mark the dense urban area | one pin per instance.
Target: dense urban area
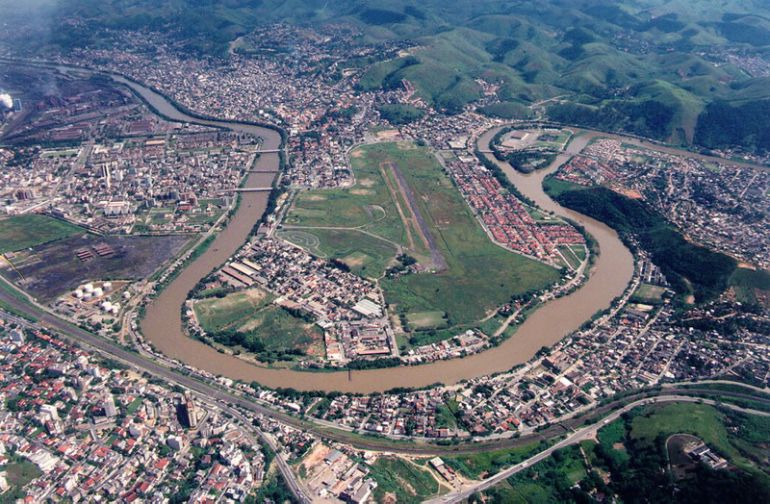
(391, 230)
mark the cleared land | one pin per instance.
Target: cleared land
(50, 270)
(403, 480)
(24, 231)
(479, 275)
(265, 326)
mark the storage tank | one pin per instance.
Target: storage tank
(98, 292)
(89, 287)
(78, 294)
(107, 286)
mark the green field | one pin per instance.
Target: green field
(631, 455)
(249, 320)
(366, 255)
(407, 481)
(746, 282)
(19, 472)
(479, 276)
(486, 463)
(24, 231)
(649, 294)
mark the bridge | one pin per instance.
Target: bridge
(270, 151)
(246, 189)
(263, 171)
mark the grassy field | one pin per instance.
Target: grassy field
(746, 282)
(480, 275)
(407, 481)
(486, 463)
(24, 231)
(366, 255)
(649, 294)
(700, 420)
(18, 474)
(232, 310)
(251, 312)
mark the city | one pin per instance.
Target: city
(266, 278)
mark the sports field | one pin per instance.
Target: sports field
(403, 196)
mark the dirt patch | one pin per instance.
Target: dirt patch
(388, 135)
(358, 153)
(314, 197)
(629, 193)
(361, 192)
(367, 182)
(255, 295)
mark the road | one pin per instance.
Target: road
(586, 433)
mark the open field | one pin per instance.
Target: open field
(479, 465)
(48, 271)
(24, 231)
(18, 474)
(427, 320)
(749, 283)
(480, 275)
(404, 480)
(219, 313)
(366, 255)
(260, 326)
(409, 200)
(649, 294)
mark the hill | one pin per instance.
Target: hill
(650, 67)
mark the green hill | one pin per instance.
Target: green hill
(616, 58)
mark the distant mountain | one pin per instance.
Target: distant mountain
(646, 66)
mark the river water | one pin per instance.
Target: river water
(163, 328)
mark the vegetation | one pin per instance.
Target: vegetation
(648, 118)
(723, 125)
(630, 461)
(747, 282)
(486, 463)
(688, 267)
(398, 113)
(25, 231)
(248, 320)
(370, 212)
(406, 480)
(633, 65)
(274, 489)
(18, 473)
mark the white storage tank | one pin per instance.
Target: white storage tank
(98, 292)
(78, 294)
(107, 286)
(88, 288)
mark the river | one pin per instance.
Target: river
(162, 324)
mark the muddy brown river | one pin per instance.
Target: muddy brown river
(163, 327)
